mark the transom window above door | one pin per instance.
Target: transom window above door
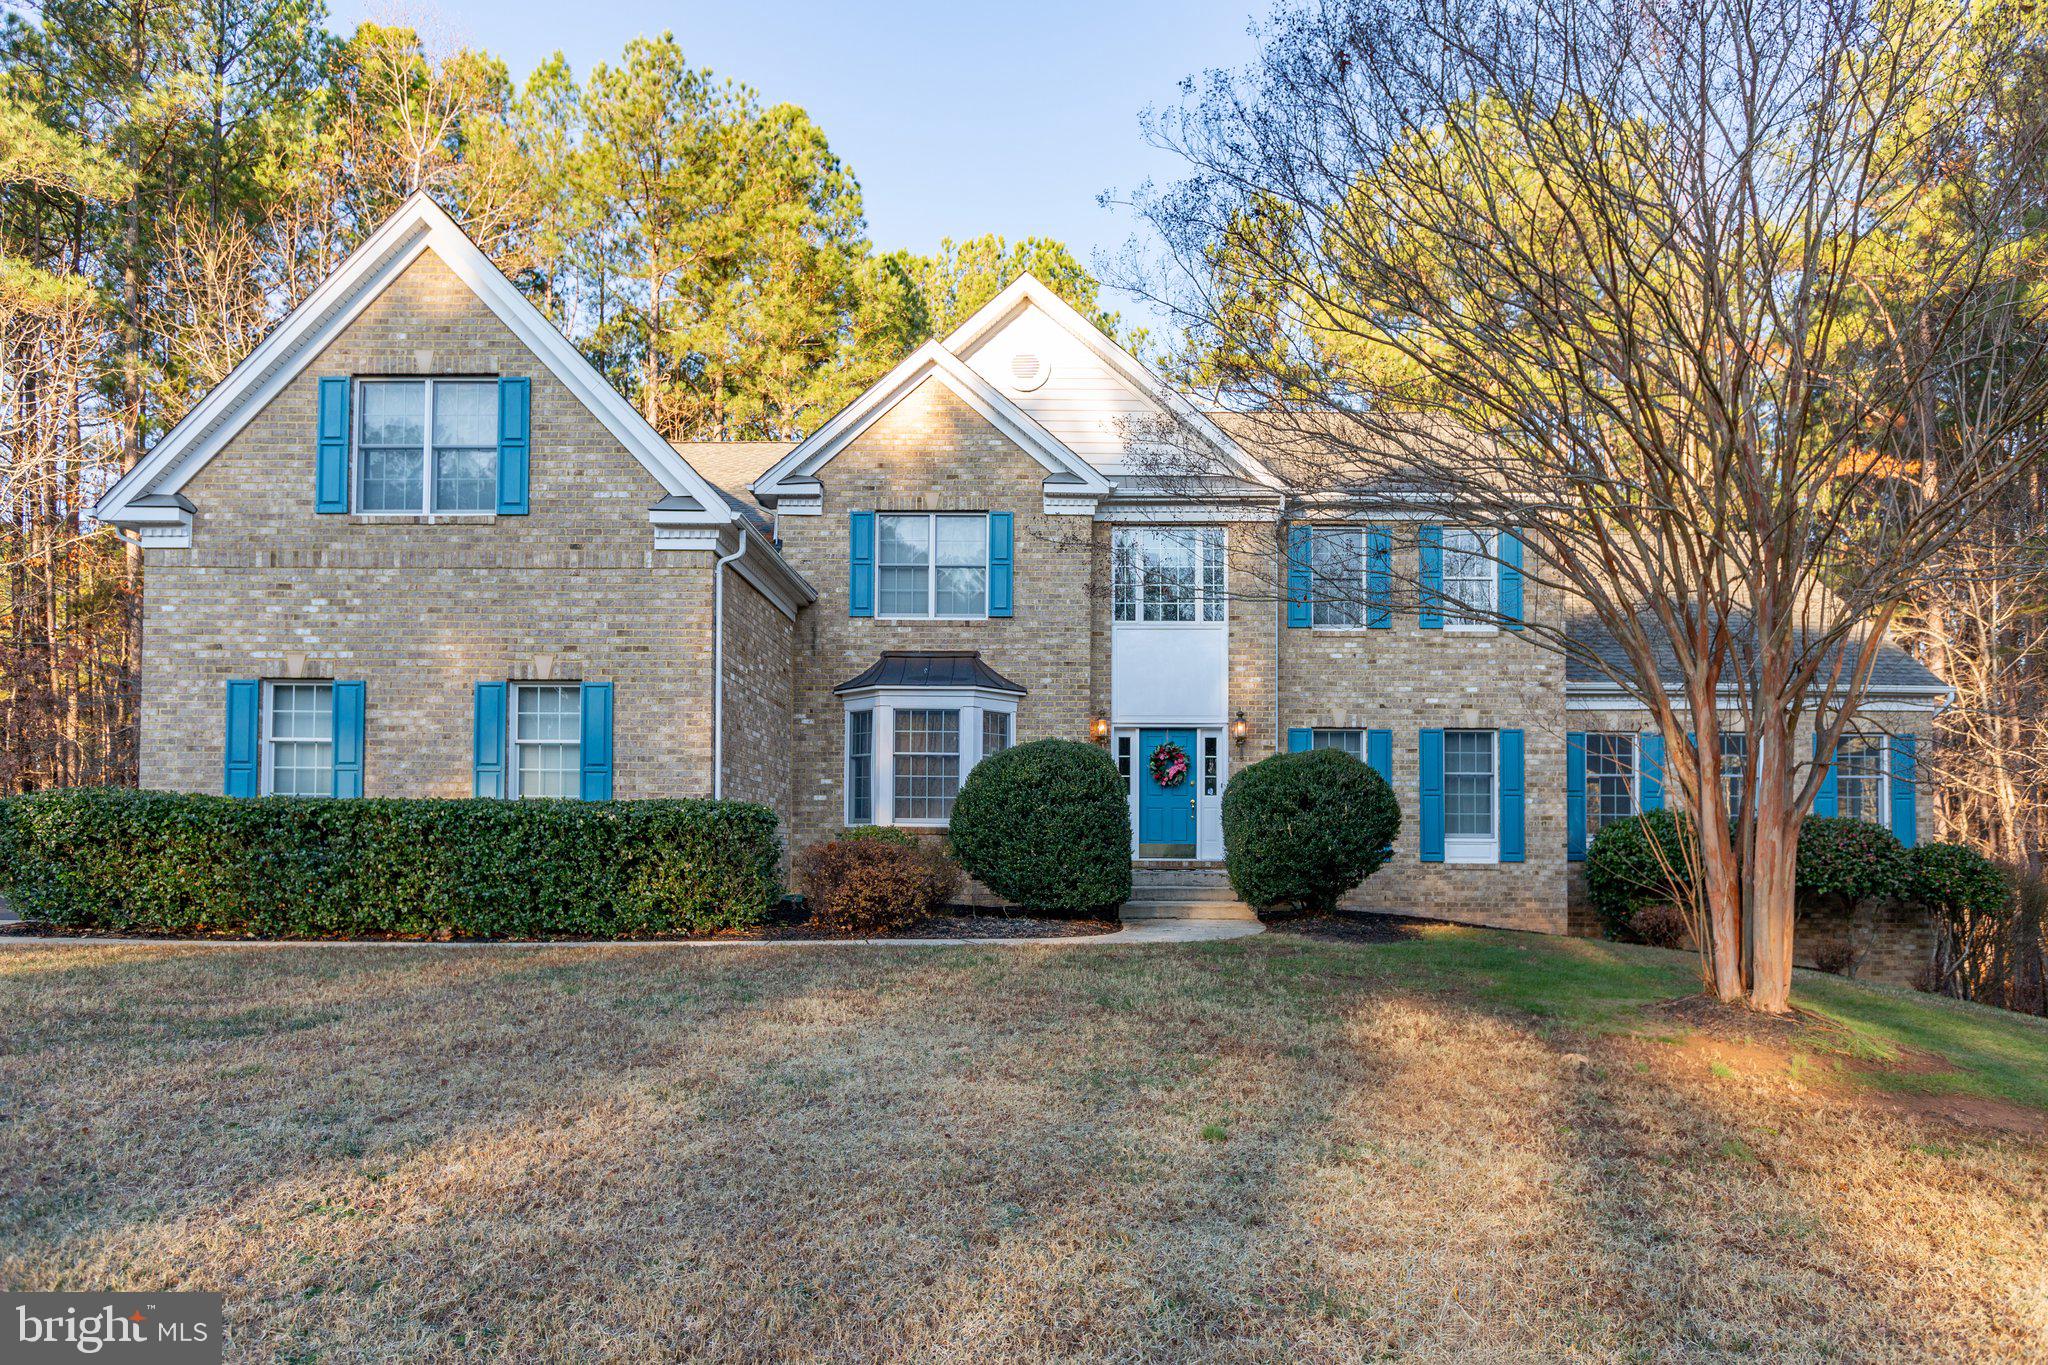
(1168, 574)
(932, 564)
(427, 446)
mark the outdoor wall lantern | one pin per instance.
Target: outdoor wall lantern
(1099, 729)
(1239, 728)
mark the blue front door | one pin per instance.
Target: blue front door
(1166, 815)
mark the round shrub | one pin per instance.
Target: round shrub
(873, 886)
(1842, 861)
(1635, 864)
(1959, 884)
(1046, 825)
(1302, 829)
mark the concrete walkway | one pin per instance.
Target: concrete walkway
(1149, 931)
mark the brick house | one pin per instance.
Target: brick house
(415, 546)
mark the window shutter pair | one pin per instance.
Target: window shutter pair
(1379, 748)
(1507, 578)
(331, 445)
(1379, 586)
(489, 739)
(1509, 781)
(860, 565)
(245, 730)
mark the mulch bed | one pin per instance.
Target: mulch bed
(1348, 926)
(778, 930)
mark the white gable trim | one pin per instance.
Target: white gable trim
(1134, 372)
(794, 476)
(419, 226)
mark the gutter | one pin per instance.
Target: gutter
(718, 663)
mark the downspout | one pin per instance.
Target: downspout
(1280, 616)
(718, 664)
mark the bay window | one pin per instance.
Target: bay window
(909, 749)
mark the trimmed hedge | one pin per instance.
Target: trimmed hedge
(1302, 829)
(1046, 825)
(1844, 860)
(279, 867)
(1637, 863)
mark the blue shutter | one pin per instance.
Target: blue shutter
(1300, 741)
(1432, 567)
(330, 460)
(515, 398)
(1575, 796)
(1905, 790)
(1000, 553)
(1379, 579)
(347, 713)
(1510, 580)
(1824, 799)
(1650, 772)
(1430, 743)
(1511, 796)
(1379, 753)
(488, 745)
(597, 741)
(1300, 550)
(245, 708)
(860, 572)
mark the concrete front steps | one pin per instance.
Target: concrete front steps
(1180, 891)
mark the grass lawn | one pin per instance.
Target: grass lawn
(1466, 1145)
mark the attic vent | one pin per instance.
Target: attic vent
(1027, 371)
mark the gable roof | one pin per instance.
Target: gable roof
(1028, 289)
(795, 473)
(419, 226)
(1893, 672)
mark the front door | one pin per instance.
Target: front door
(1166, 799)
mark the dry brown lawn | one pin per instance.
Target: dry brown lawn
(1267, 1150)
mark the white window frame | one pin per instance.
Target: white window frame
(1731, 781)
(1468, 848)
(1633, 776)
(1883, 776)
(512, 740)
(1316, 733)
(931, 576)
(429, 456)
(267, 737)
(884, 703)
(1354, 601)
(1489, 550)
(1123, 534)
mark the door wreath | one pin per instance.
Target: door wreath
(1169, 764)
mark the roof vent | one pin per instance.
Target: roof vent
(1027, 371)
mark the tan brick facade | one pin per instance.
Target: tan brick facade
(421, 612)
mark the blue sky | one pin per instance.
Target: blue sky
(958, 118)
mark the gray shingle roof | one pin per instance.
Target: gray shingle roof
(930, 668)
(1893, 670)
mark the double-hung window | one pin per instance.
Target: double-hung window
(1610, 779)
(547, 739)
(1350, 741)
(427, 446)
(932, 564)
(1859, 778)
(1167, 574)
(298, 739)
(1471, 797)
(1337, 576)
(1734, 758)
(1471, 577)
(927, 750)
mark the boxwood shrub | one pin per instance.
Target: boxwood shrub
(1302, 829)
(167, 863)
(1637, 863)
(1843, 860)
(1046, 825)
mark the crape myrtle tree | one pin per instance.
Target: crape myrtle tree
(1691, 294)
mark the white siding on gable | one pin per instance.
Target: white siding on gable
(1083, 402)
